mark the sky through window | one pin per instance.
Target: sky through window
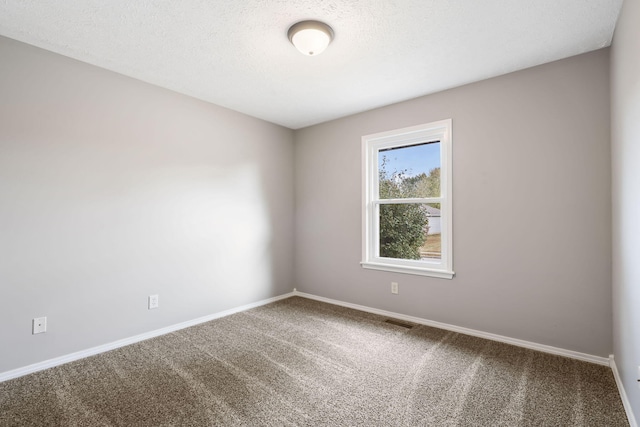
(414, 160)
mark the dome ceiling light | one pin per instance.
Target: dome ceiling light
(310, 37)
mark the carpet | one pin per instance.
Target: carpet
(300, 362)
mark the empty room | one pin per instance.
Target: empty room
(320, 213)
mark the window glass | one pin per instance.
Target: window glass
(407, 200)
(410, 171)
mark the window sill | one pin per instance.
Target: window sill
(441, 274)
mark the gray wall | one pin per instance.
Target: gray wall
(528, 145)
(625, 123)
(112, 190)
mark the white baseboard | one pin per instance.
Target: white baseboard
(15, 373)
(514, 341)
(4, 376)
(623, 394)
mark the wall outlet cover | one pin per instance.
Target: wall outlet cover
(153, 302)
(39, 325)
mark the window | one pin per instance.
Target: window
(406, 213)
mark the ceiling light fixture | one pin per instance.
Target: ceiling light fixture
(310, 37)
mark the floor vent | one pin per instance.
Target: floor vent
(398, 323)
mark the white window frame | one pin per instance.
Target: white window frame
(371, 145)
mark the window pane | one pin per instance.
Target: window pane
(432, 249)
(410, 171)
(410, 231)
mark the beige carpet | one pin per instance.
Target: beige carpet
(299, 362)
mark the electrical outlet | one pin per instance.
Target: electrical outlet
(394, 287)
(39, 325)
(153, 302)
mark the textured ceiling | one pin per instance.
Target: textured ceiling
(236, 53)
